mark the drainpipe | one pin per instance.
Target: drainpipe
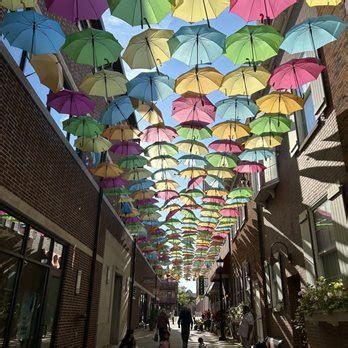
(131, 290)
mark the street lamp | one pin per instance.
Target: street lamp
(220, 264)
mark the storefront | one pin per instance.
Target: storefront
(31, 264)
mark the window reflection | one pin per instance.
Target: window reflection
(38, 246)
(57, 255)
(11, 232)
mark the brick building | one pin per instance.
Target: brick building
(48, 203)
(168, 295)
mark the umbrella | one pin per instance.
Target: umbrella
(312, 34)
(135, 12)
(214, 181)
(269, 123)
(268, 141)
(105, 84)
(84, 126)
(49, 71)
(193, 160)
(230, 130)
(166, 185)
(295, 73)
(119, 110)
(197, 10)
(195, 182)
(228, 146)
(193, 130)
(192, 147)
(220, 159)
(192, 193)
(170, 208)
(229, 212)
(220, 172)
(213, 199)
(92, 47)
(323, 2)
(166, 173)
(280, 102)
(32, 32)
(106, 170)
(150, 86)
(161, 148)
(141, 185)
(157, 133)
(199, 109)
(199, 80)
(148, 49)
(249, 167)
(126, 148)
(259, 9)
(121, 132)
(143, 194)
(258, 154)
(95, 144)
(132, 162)
(148, 111)
(77, 10)
(253, 44)
(216, 192)
(245, 81)
(167, 194)
(14, 5)
(163, 162)
(192, 172)
(113, 182)
(137, 174)
(236, 108)
(118, 191)
(197, 44)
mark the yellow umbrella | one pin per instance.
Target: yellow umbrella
(94, 144)
(166, 185)
(198, 10)
(192, 147)
(199, 80)
(230, 130)
(148, 49)
(216, 192)
(106, 170)
(280, 102)
(192, 172)
(312, 3)
(245, 81)
(207, 224)
(143, 194)
(222, 173)
(210, 213)
(121, 132)
(187, 200)
(125, 199)
(137, 174)
(171, 207)
(49, 71)
(267, 141)
(105, 84)
(14, 5)
(163, 162)
(134, 213)
(148, 111)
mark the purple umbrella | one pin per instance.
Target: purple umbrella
(113, 182)
(126, 148)
(75, 10)
(130, 220)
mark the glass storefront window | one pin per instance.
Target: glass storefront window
(38, 246)
(57, 256)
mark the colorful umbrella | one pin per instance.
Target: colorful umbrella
(150, 86)
(148, 111)
(230, 130)
(268, 141)
(32, 32)
(312, 34)
(77, 10)
(195, 182)
(137, 174)
(14, 5)
(192, 172)
(280, 102)
(295, 73)
(229, 212)
(140, 185)
(106, 170)
(84, 126)
(220, 172)
(192, 193)
(95, 144)
(113, 182)
(143, 194)
(269, 123)
(132, 162)
(161, 148)
(312, 3)
(163, 174)
(249, 167)
(148, 49)
(157, 133)
(228, 146)
(119, 110)
(121, 132)
(126, 148)
(166, 185)
(245, 81)
(193, 130)
(258, 154)
(167, 194)
(236, 108)
(220, 159)
(193, 160)
(192, 147)
(201, 81)
(197, 44)
(163, 162)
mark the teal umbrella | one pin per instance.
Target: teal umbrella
(254, 155)
(193, 160)
(198, 44)
(237, 108)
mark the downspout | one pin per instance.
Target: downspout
(131, 290)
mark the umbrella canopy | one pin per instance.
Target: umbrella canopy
(252, 44)
(84, 126)
(268, 141)
(126, 148)
(95, 144)
(249, 167)
(119, 110)
(106, 170)
(228, 146)
(163, 162)
(259, 9)
(312, 3)
(132, 162)
(193, 160)
(230, 130)
(140, 185)
(280, 102)
(220, 159)
(113, 182)
(121, 132)
(192, 172)
(148, 111)
(193, 130)
(199, 80)
(236, 108)
(166, 185)
(135, 11)
(70, 102)
(77, 10)
(157, 133)
(161, 148)
(271, 124)
(245, 81)
(49, 71)
(220, 172)
(105, 84)
(295, 73)
(255, 155)
(14, 5)
(192, 147)
(137, 174)
(166, 173)
(32, 32)
(148, 49)
(150, 86)
(229, 212)
(167, 194)
(312, 34)
(241, 192)
(197, 44)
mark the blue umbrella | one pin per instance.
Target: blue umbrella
(214, 182)
(126, 208)
(236, 108)
(151, 222)
(193, 160)
(198, 44)
(313, 33)
(254, 155)
(239, 200)
(140, 185)
(118, 111)
(32, 32)
(150, 86)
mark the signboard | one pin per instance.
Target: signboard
(201, 289)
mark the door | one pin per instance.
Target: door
(116, 310)
(258, 311)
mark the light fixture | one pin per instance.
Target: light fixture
(273, 259)
(220, 262)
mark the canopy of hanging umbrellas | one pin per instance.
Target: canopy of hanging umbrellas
(175, 188)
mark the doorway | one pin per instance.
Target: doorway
(116, 310)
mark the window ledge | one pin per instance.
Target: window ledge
(267, 190)
(307, 140)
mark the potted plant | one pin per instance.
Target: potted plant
(153, 318)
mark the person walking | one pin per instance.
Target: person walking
(246, 327)
(128, 340)
(163, 325)
(186, 322)
(172, 314)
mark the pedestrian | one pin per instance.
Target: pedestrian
(201, 343)
(165, 342)
(186, 322)
(128, 340)
(162, 324)
(246, 327)
(172, 316)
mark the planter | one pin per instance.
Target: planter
(333, 318)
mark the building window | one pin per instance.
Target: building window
(276, 285)
(271, 172)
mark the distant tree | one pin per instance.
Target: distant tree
(185, 297)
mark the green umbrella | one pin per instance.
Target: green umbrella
(117, 191)
(221, 159)
(132, 162)
(192, 193)
(148, 209)
(193, 133)
(211, 206)
(135, 12)
(92, 47)
(94, 144)
(252, 44)
(241, 192)
(83, 126)
(270, 124)
(161, 148)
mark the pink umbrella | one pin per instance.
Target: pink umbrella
(195, 182)
(126, 148)
(295, 73)
(229, 146)
(213, 199)
(193, 109)
(229, 212)
(158, 132)
(113, 182)
(191, 206)
(252, 10)
(76, 10)
(206, 228)
(166, 194)
(249, 167)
